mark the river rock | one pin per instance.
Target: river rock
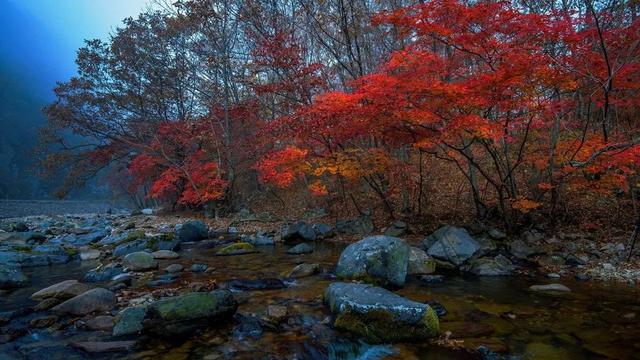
(94, 300)
(104, 346)
(174, 268)
(323, 231)
(131, 247)
(452, 244)
(522, 250)
(62, 291)
(199, 268)
(299, 231)
(140, 261)
(102, 274)
(397, 229)
(239, 248)
(100, 323)
(129, 321)
(11, 276)
(419, 262)
(90, 254)
(303, 248)
(183, 314)
(379, 315)
(498, 266)
(550, 287)
(165, 254)
(304, 270)
(192, 230)
(43, 321)
(261, 239)
(381, 259)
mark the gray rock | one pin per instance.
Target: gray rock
(131, 247)
(100, 323)
(379, 315)
(452, 244)
(165, 254)
(198, 268)
(261, 239)
(299, 231)
(397, 229)
(102, 274)
(303, 248)
(549, 288)
(174, 268)
(522, 250)
(382, 259)
(304, 270)
(94, 300)
(129, 321)
(11, 277)
(360, 226)
(183, 314)
(323, 231)
(63, 290)
(498, 266)
(90, 254)
(420, 262)
(140, 261)
(192, 230)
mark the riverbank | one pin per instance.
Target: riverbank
(279, 289)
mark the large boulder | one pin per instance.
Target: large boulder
(183, 314)
(12, 277)
(451, 244)
(140, 261)
(94, 300)
(379, 259)
(192, 230)
(299, 231)
(420, 263)
(379, 315)
(62, 291)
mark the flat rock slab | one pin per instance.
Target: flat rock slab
(63, 290)
(104, 346)
(94, 300)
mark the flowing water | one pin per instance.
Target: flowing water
(594, 321)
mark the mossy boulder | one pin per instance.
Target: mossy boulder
(236, 249)
(378, 259)
(378, 315)
(183, 314)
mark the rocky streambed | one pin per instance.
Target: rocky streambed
(116, 286)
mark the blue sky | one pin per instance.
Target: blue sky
(40, 37)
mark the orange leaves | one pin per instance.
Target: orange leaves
(525, 205)
(281, 167)
(317, 188)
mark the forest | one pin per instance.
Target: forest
(342, 179)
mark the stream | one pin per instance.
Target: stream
(596, 320)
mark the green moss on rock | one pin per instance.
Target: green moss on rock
(237, 249)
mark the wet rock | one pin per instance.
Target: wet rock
(379, 315)
(129, 321)
(43, 321)
(550, 288)
(47, 304)
(254, 284)
(104, 346)
(438, 308)
(192, 230)
(522, 250)
(131, 247)
(451, 244)
(102, 274)
(304, 270)
(299, 231)
(140, 261)
(62, 291)
(165, 254)
(276, 313)
(498, 266)
(323, 231)
(100, 323)
(199, 268)
(432, 279)
(381, 259)
(174, 268)
(94, 300)
(90, 254)
(239, 248)
(303, 248)
(360, 226)
(12, 277)
(261, 239)
(419, 262)
(397, 229)
(183, 314)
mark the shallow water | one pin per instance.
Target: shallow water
(594, 321)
